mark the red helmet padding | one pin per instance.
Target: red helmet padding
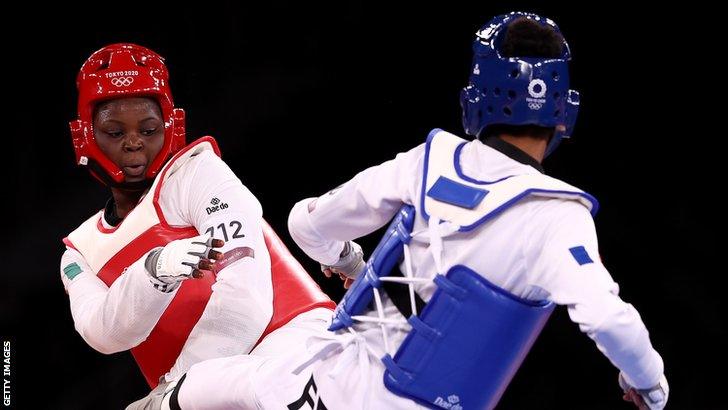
(119, 71)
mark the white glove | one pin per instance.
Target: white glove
(350, 264)
(654, 397)
(157, 399)
(182, 259)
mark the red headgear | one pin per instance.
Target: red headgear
(119, 71)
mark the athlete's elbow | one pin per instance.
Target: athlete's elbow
(104, 346)
(107, 350)
(295, 218)
(618, 329)
(105, 343)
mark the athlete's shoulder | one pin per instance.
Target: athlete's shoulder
(196, 161)
(558, 212)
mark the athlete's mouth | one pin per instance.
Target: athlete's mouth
(134, 170)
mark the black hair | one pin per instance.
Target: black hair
(527, 38)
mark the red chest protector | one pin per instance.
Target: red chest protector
(110, 251)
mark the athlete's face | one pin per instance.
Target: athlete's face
(130, 131)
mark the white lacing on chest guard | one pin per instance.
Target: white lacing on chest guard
(436, 231)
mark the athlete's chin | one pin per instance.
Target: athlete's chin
(134, 178)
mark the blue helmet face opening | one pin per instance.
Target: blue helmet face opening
(518, 90)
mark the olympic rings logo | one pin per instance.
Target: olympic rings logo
(535, 105)
(122, 81)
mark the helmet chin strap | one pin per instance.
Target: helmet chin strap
(101, 173)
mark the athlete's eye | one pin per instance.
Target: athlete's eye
(150, 131)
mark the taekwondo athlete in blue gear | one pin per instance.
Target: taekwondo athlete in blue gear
(486, 244)
(472, 330)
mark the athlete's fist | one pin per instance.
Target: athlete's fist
(654, 398)
(349, 266)
(183, 259)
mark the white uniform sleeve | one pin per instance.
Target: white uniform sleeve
(366, 202)
(112, 319)
(214, 200)
(566, 264)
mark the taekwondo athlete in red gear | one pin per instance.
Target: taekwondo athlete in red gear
(128, 270)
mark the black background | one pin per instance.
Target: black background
(302, 95)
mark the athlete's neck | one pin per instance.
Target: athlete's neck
(126, 200)
(534, 147)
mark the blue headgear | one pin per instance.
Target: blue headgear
(518, 90)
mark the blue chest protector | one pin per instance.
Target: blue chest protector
(472, 336)
(466, 345)
(468, 342)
